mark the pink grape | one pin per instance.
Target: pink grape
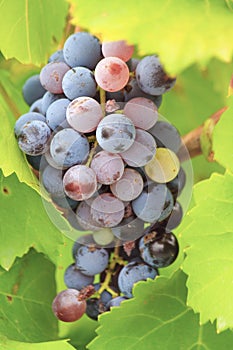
(107, 210)
(111, 74)
(84, 114)
(142, 150)
(67, 307)
(79, 182)
(84, 218)
(51, 76)
(142, 112)
(129, 186)
(118, 49)
(108, 167)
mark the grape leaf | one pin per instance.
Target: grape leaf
(24, 223)
(11, 158)
(223, 138)
(7, 344)
(31, 28)
(208, 233)
(181, 33)
(25, 299)
(157, 318)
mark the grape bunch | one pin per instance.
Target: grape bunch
(109, 162)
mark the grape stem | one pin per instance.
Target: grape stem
(192, 140)
(115, 259)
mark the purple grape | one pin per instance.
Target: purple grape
(32, 89)
(25, 118)
(68, 147)
(132, 273)
(151, 77)
(115, 133)
(75, 279)
(78, 82)
(56, 114)
(82, 49)
(91, 260)
(33, 137)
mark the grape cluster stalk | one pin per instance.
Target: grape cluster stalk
(109, 163)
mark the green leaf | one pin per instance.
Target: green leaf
(31, 28)
(186, 105)
(25, 299)
(11, 158)
(180, 32)
(208, 233)
(223, 138)
(7, 344)
(24, 223)
(157, 318)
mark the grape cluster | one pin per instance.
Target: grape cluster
(109, 163)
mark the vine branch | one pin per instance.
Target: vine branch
(192, 140)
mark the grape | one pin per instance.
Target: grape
(166, 135)
(149, 205)
(48, 99)
(142, 150)
(129, 229)
(175, 217)
(132, 63)
(25, 118)
(52, 181)
(78, 82)
(142, 112)
(33, 137)
(151, 77)
(84, 114)
(132, 273)
(82, 49)
(56, 114)
(75, 279)
(164, 167)
(107, 210)
(84, 217)
(115, 133)
(159, 248)
(178, 183)
(168, 206)
(37, 106)
(84, 240)
(105, 296)
(37, 162)
(111, 74)
(91, 260)
(57, 56)
(95, 307)
(103, 237)
(51, 76)
(65, 202)
(68, 147)
(129, 186)
(118, 49)
(67, 307)
(132, 90)
(32, 89)
(79, 182)
(115, 302)
(51, 161)
(108, 167)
